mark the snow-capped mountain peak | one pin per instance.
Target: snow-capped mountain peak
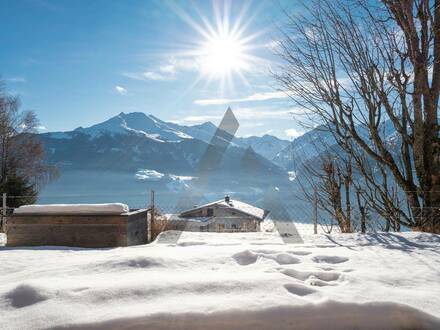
(135, 123)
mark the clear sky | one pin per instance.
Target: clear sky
(76, 63)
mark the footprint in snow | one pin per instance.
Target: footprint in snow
(307, 275)
(25, 295)
(134, 262)
(329, 259)
(348, 270)
(313, 281)
(183, 244)
(284, 259)
(299, 290)
(300, 253)
(245, 258)
(297, 253)
(265, 251)
(248, 257)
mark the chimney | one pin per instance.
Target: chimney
(227, 199)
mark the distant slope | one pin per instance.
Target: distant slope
(303, 148)
(267, 145)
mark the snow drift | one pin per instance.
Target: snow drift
(111, 208)
(329, 315)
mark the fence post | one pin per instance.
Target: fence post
(3, 212)
(315, 211)
(152, 211)
(434, 213)
(152, 201)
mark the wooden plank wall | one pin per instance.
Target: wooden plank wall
(77, 230)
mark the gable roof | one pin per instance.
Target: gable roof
(235, 205)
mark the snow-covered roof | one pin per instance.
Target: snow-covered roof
(236, 206)
(111, 208)
(199, 220)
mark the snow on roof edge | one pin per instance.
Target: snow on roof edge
(109, 208)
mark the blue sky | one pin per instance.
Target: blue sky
(76, 63)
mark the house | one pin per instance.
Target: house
(225, 215)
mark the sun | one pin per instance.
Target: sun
(223, 47)
(221, 56)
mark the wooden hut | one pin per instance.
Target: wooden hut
(86, 225)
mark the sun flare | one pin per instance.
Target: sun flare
(223, 49)
(222, 56)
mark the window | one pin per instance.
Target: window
(234, 226)
(209, 212)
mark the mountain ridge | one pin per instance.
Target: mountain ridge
(151, 127)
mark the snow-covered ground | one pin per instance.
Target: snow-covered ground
(227, 281)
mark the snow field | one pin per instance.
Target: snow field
(227, 281)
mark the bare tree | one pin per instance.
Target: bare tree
(371, 74)
(22, 163)
(327, 180)
(337, 186)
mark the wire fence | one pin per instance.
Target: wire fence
(285, 211)
(164, 205)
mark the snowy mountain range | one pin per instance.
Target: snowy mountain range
(133, 141)
(152, 128)
(309, 146)
(138, 151)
